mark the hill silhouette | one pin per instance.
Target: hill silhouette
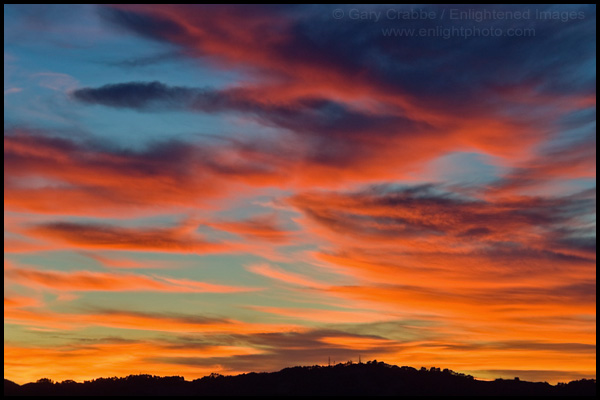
(371, 378)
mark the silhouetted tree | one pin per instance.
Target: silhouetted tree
(372, 378)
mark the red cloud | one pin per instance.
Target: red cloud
(98, 236)
(40, 169)
(263, 227)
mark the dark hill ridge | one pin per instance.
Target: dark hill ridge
(372, 378)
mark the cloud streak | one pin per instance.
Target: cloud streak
(102, 281)
(98, 236)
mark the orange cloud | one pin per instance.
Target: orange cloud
(260, 228)
(98, 236)
(16, 301)
(287, 277)
(104, 281)
(477, 119)
(155, 322)
(491, 269)
(41, 169)
(27, 364)
(357, 342)
(327, 316)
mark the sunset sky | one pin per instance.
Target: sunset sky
(197, 189)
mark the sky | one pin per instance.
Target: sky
(197, 189)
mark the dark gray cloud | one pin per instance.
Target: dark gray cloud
(310, 78)
(305, 348)
(430, 68)
(304, 115)
(192, 319)
(333, 133)
(428, 211)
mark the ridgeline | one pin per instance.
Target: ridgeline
(371, 378)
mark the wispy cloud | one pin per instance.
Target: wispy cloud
(284, 276)
(107, 281)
